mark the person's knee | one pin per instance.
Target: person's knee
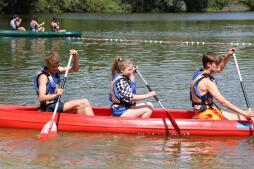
(150, 105)
(148, 112)
(85, 102)
(149, 109)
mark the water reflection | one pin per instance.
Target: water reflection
(200, 152)
(17, 46)
(37, 45)
(84, 150)
(56, 45)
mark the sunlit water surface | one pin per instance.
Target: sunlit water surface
(167, 68)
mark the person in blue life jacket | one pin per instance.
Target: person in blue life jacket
(35, 26)
(15, 24)
(47, 86)
(123, 92)
(203, 89)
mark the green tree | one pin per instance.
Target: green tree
(196, 5)
(15, 6)
(102, 6)
(218, 4)
(248, 3)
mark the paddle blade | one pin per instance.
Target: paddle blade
(49, 130)
(173, 122)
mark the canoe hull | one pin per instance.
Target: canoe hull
(28, 117)
(10, 33)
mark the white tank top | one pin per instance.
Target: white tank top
(13, 24)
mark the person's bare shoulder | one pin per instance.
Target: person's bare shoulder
(43, 79)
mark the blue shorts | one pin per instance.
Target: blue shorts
(118, 111)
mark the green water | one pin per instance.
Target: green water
(167, 68)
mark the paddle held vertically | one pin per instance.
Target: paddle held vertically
(50, 127)
(241, 82)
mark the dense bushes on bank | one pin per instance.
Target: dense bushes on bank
(120, 6)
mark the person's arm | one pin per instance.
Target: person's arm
(42, 82)
(18, 22)
(39, 25)
(214, 91)
(75, 63)
(226, 58)
(125, 92)
(142, 96)
(57, 25)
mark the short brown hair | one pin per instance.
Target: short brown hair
(210, 57)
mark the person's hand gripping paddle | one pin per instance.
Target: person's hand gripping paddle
(50, 128)
(242, 84)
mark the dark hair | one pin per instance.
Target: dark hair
(210, 57)
(34, 17)
(54, 19)
(15, 16)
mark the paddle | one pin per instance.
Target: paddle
(50, 128)
(241, 82)
(172, 120)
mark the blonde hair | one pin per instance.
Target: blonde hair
(119, 65)
(52, 58)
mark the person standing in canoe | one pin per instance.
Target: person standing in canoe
(35, 26)
(203, 89)
(123, 92)
(55, 27)
(15, 24)
(47, 87)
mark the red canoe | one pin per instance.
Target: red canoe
(29, 117)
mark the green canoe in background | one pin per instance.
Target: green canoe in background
(11, 33)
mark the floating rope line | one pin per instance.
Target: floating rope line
(162, 41)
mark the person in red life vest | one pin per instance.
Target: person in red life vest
(47, 86)
(123, 92)
(203, 89)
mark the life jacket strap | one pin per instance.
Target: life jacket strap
(201, 107)
(114, 98)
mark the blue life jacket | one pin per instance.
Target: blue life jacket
(114, 95)
(206, 99)
(53, 81)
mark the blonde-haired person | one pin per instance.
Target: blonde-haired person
(203, 89)
(123, 92)
(47, 86)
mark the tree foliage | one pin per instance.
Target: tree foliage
(248, 3)
(59, 6)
